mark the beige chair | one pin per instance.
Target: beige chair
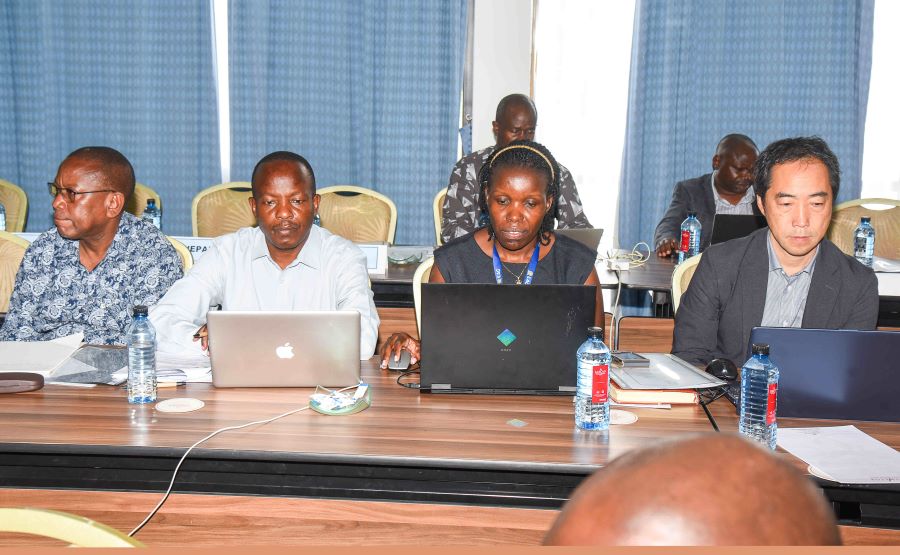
(222, 209)
(886, 222)
(187, 259)
(358, 214)
(15, 201)
(138, 201)
(73, 529)
(681, 277)
(422, 275)
(12, 251)
(438, 206)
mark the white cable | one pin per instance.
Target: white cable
(207, 438)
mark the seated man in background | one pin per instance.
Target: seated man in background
(727, 190)
(286, 263)
(712, 489)
(788, 275)
(519, 185)
(461, 213)
(99, 262)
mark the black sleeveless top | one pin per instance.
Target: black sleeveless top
(462, 261)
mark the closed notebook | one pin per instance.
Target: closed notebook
(652, 396)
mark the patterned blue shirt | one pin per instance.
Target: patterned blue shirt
(55, 295)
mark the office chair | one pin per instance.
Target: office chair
(437, 207)
(15, 201)
(12, 251)
(187, 259)
(138, 201)
(76, 530)
(222, 209)
(681, 278)
(422, 275)
(358, 214)
(886, 221)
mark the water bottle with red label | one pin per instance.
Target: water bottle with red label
(592, 384)
(689, 243)
(759, 397)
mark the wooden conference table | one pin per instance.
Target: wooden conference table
(424, 469)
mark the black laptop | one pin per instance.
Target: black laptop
(835, 374)
(732, 226)
(503, 339)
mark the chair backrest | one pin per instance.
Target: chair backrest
(644, 334)
(187, 259)
(138, 201)
(15, 201)
(222, 209)
(73, 529)
(12, 251)
(437, 207)
(886, 222)
(681, 277)
(423, 273)
(358, 214)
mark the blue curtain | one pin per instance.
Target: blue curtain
(771, 69)
(367, 90)
(136, 76)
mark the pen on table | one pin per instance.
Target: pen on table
(169, 384)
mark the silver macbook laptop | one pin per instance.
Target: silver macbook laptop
(587, 236)
(284, 349)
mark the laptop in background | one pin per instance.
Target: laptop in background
(835, 374)
(284, 349)
(588, 236)
(732, 226)
(487, 338)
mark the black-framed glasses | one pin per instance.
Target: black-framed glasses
(70, 194)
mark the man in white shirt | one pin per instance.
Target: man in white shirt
(286, 263)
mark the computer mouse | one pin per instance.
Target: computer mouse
(401, 364)
(723, 369)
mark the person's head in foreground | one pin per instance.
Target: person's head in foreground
(711, 489)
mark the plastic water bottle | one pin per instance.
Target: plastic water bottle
(759, 392)
(864, 241)
(141, 342)
(152, 213)
(690, 237)
(2, 217)
(592, 387)
(317, 220)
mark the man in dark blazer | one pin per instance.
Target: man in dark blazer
(724, 191)
(787, 275)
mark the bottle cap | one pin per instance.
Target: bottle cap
(139, 310)
(692, 214)
(761, 349)
(865, 219)
(595, 331)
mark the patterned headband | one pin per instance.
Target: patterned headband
(526, 147)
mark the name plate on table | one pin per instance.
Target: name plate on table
(197, 245)
(376, 257)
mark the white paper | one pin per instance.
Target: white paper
(40, 357)
(665, 372)
(845, 453)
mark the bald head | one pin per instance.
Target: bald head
(109, 165)
(713, 489)
(516, 120)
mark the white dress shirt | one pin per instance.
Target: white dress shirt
(238, 273)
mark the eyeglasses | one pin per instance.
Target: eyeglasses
(70, 194)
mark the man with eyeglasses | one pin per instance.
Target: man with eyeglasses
(100, 261)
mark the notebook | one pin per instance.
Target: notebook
(835, 374)
(732, 226)
(587, 236)
(284, 349)
(479, 338)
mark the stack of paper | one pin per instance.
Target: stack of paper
(40, 357)
(843, 454)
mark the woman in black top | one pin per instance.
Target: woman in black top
(519, 188)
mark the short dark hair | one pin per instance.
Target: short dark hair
(514, 99)
(283, 155)
(791, 150)
(117, 170)
(523, 154)
(729, 141)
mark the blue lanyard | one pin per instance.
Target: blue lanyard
(529, 273)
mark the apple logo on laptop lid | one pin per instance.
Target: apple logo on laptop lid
(285, 351)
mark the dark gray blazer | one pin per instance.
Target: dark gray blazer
(727, 295)
(691, 194)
